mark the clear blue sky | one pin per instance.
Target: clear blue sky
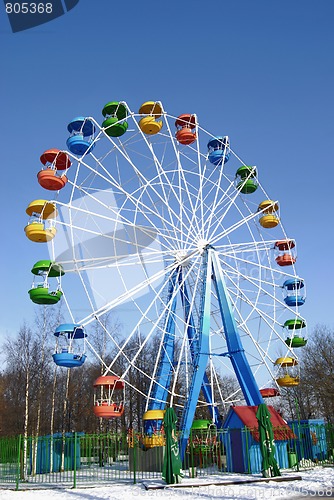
(260, 71)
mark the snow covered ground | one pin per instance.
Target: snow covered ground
(318, 482)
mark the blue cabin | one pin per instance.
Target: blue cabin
(243, 450)
(219, 150)
(294, 295)
(67, 353)
(82, 135)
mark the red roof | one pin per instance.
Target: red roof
(247, 415)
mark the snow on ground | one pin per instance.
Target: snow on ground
(318, 482)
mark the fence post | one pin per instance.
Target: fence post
(191, 465)
(134, 460)
(75, 462)
(18, 473)
(329, 441)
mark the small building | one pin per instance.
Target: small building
(51, 453)
(311, 442)
(243, 450)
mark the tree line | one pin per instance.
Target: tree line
(314, 396)
(39, 398)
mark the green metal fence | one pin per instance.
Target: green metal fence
(314, 443)
(77, 459)
(10, 460)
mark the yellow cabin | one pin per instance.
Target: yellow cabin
(287, 376)
(153, 428)
(269, 210)
(41, 228)
(149, 124)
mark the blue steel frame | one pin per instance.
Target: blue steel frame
(200, 346)
(193, 343)
(166, 362)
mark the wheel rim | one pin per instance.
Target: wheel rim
(154, 205)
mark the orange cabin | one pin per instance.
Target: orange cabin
(109, 397)
(284, 257)
(53, 160)
(49, 179)
(185, 125)
(285, 260)
(107, 410)
(269, 392)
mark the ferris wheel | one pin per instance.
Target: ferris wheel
(161, 223)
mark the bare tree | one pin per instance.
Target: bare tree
(46, 321)
(317, 372)
(21, 352)
(314, 396)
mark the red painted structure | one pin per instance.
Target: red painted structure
(247, 416)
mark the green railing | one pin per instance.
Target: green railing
(314, 444)
(78, 459)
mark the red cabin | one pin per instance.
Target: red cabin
(53, 160)
(49, 179)
(109, 392)
(285, 257)
(185, 125)
(269, 392)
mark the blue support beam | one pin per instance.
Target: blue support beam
(200, 346)
(236, 351)
(193, 345)
(200, 361)
(165, 368)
